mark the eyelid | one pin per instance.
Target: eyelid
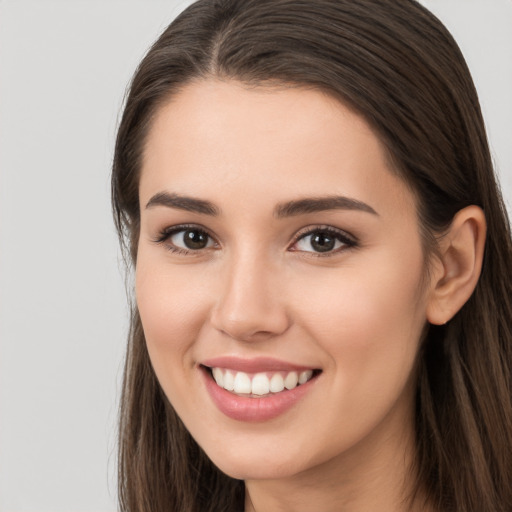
(349, 241)
(165, 234)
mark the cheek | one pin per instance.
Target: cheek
(172, 308)
(369, 319)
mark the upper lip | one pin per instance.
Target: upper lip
(254, 365)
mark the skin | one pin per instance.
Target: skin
(356, 313)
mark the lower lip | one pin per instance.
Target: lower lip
(243, 408)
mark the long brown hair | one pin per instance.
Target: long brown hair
(397, 65)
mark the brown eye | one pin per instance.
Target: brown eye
(191, 239)
(195, 239)
(323, 241)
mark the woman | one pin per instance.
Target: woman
(322, 266)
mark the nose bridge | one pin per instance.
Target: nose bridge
(250, 303)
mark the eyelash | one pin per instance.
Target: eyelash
(348, 241)
(167, 233)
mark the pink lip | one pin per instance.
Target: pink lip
(254, 365)
(249, 409)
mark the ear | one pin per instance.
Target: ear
(459, 265)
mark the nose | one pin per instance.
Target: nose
(250, 306)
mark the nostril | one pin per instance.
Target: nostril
(249, 315)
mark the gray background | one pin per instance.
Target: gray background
(64, 66)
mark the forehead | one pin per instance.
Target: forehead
(225, 140)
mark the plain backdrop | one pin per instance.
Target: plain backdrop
(64, 66)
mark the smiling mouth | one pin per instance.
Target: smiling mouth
(259, 385)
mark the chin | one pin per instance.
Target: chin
(256, 469)
(258, 463)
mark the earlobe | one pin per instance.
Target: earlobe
(458, 269)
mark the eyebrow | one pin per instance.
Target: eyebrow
(319, 204)
(282, 210)
(189, 204)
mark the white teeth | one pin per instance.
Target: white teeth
(259, 384)
(229, 381)
(291, 380)
(242, 383)
(276, 383)
(305, 376)
(218, 376)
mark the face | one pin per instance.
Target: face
(279, 278)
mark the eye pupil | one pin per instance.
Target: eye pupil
(195, 239)
(322, 242)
